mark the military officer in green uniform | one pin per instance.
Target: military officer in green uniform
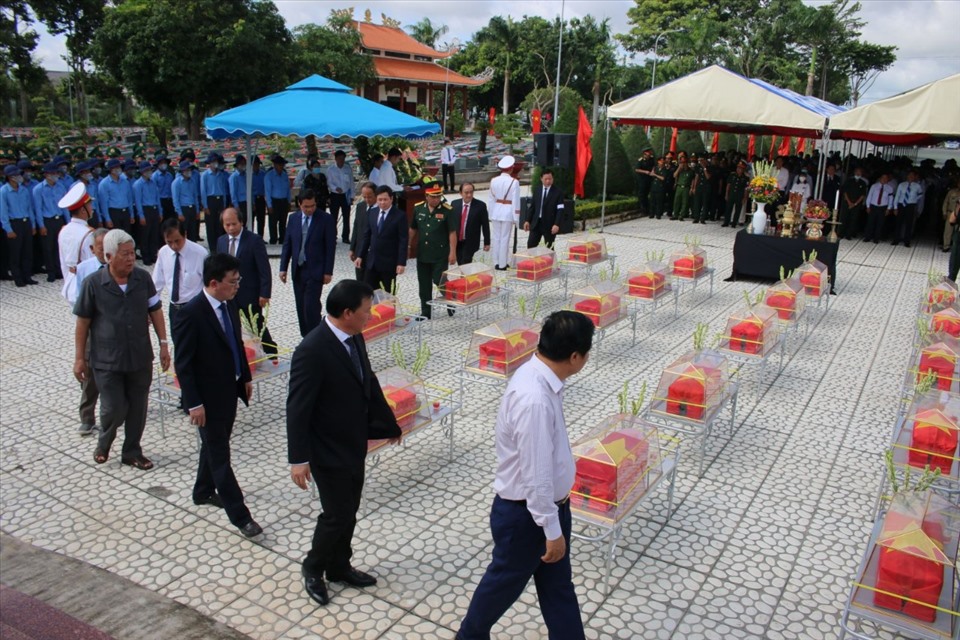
(683, 178)
(701, 191)
(434, 231)
(644, 171)
(736, 195)
(659, 184)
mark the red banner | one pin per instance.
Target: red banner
(535, 120)
(673, 141)
(584, 153)
(493, 119)
(784, 149)
(715, 145)
(773, 146)
(751, 147)
(801, 146)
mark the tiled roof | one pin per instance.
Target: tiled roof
(393, 68)
(376, 36)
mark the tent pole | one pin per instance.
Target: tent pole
(822, 162)
(249, 186)
(606, 155)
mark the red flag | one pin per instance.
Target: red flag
(535, 119)
(773, 146)
(715, 145)
(584, 153)
(801, 146)
(784, 149)
(751, 147)
(493, 119)
(673, 141)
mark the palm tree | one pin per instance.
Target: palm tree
(503, 34)
(425, 32)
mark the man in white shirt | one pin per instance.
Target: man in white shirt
(388, 175)
(530, 518)
(879, 204)
(75, 239)
(179, 265)
(340, 183)
(504, 208)
(375, 171)
(448, 157)
(905, 204)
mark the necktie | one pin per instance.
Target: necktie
(303, 241)
(463, 222)
(354, 350)
(383, 215)
(879, 194)
(231, 338)
(543, 199)
(175, 291)
(233, 246)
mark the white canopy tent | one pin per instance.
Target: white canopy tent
(924, 115)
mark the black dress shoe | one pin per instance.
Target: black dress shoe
(450, 312)
(251, 529)
(21, 284)
(906, 244)
(51, 279)
(31, 281)
(353, 577)
(316, 589)
(213, 500)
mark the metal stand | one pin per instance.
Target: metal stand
(684, 284)
(497, 293)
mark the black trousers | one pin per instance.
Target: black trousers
(875, 219)
(150, 235)
(166, 208)
(380, 279)
(733, 209)
(278, 220)
(260, 213)
(340, 206)
(51, 247)
(657, 198)
(449, 171)
(215, 205)
(850, 221)
(214, 473)
(537, 233)
(191, 222)
(463, 255)
(121, 219)
(20, 255)
(340, 491)
(906, 216)
(123, 400)
(241, 212)
(307, 292)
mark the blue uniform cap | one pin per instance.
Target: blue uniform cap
(129, 164)
(186, 164)
(59, 161)
(213, 157)
(113, 163)
(25, 165)
(11, 170)
(145, 166)
(51, 167)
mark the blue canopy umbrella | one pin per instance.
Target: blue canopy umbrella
(314, 106)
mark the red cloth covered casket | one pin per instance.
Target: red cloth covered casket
(910, 566)
(747, 336)
(504, 355)
(601, 312)
(934, 441)
(469, 288)
(534, 269)
(785, 304)
(647, 285)
(587, 252)
(688, 267)
(403, 403)
(811, 282)
(941, 363)
(603, 481)
(946, 322)
(382, 317)
(687, 395)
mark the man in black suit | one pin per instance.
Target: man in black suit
(383, 250)
(256, 282)
(471, 218)
(213, 373)
(545, 216)
(367, 202)
(310, 243)
(334, 406)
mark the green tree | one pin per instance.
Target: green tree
(863, 62)
(333, 51)
(236, 52)
(502, 35)
(620, 174)
(17, 44)
(425, 32)
(634, 142)
(79, 21)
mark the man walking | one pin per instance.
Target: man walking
(471, 219)
(340, 183)
(276, 191)
(256, 281)
(213, 373)
(546, 213)
(179, 265)
(366, 204)
(434, 233)
(384, 249)
(530, 519)
(334, 407)
(310, 244)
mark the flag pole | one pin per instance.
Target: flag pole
(606, 154)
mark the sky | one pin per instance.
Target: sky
(924, 31)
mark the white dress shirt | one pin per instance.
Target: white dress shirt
(388, 177)
(374, 176)
(504, 187)
(534, 460)
(448, 155)
(72, 254)
(340, 178)
(908, 193)
(882, 191)
(236, 244)
(783, 178)
(191, 270)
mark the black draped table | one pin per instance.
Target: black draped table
(760, 256)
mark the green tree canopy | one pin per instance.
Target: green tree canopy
(426, 32)
(332, 50)
(17, 44)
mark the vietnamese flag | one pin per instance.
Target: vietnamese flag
(784, 149)
(715, 145)
(493, 119)
(535, 119)
(673, 141)
(801, 146)
(752, 147)
(773, 146)
(584, 153)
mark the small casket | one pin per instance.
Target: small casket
(538, 263)
(940, 359)
(406, 395)
(585, 248)
(648, 281)
(939, 296)
(916, 542)
(504, 345)
(602, 302)
(616, 459)
(467, 283)
(689, 262)
(784, 297)
(752, 331)
(383, 315)
(813, 276)
(947, 321)
(693, 385)
(934, 429)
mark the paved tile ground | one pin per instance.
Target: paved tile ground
(762, 546)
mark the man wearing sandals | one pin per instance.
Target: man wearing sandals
(113, 308)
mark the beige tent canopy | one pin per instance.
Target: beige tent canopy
(923, 115)
(715, 99)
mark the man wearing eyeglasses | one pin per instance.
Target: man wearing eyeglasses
(212, 371)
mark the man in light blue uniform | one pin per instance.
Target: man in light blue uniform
(214, 196)
(163, 176)
(276, 186)
(63, 166)
(50, 218)
(146, 199)
(238, 188)
(116, 198)
(186, 199)
(19, 225)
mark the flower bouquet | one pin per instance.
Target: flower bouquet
(816, 210)
(763, 187)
